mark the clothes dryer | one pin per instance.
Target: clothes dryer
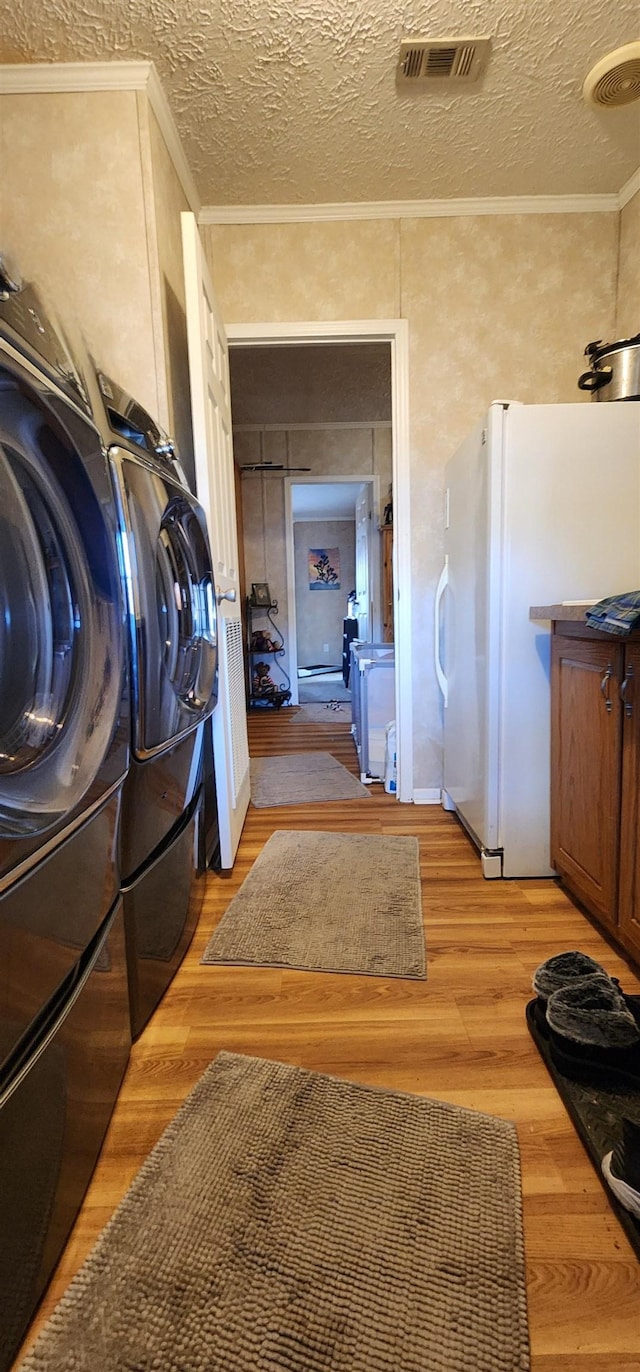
(168, 575)
(64, 749)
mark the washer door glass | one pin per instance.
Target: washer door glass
(61, 637)
(37, 622)
(172, 603)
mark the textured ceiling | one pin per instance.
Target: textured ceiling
(295, 101)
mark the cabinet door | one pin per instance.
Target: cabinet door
(586, 769)
(629, 900)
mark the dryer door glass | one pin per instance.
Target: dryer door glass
(61, 632)
(173, 612)
(185, 604)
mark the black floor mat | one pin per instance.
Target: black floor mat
(597, 1117)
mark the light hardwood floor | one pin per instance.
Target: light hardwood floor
(460, 1036)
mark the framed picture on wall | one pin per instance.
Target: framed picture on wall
(260, 593)
(324, 569)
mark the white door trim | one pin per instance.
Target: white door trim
(396, 333)
(311, 480)
(291, 591)
(208, 353)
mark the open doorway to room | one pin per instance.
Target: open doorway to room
(333, 579)
(325, 404)
(312, 431)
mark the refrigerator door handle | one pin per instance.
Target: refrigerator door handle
(440, 589)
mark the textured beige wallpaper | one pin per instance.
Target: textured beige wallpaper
(72, 215)
(628, 316)
(498, 307)
(318, 384)
(276, 272)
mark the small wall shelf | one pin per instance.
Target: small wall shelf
(264, 641)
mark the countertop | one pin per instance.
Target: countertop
(571, 612)
(566, 614)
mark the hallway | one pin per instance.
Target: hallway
(319, 687)
(460, 1036)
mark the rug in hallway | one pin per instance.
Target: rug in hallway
(328, 902)
(302, 779)
(292, 1220)
(332, 712)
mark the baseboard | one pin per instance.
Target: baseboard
(427, 795)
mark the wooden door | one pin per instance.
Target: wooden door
(585, 769)
(215, 480)
(629, 898)
(364, 526)
(387, 583)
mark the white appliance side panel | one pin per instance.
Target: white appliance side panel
(466, 637)
(572, 530)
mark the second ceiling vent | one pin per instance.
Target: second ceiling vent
(615, 80)
(430, 63)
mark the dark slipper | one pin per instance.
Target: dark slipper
(563, 970)
(592, 1033)
(632, 1002)
(568, 969)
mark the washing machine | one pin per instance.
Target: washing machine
(64, 753)
(168, 575)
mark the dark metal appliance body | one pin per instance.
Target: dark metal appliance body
(64, 751)
(168, 577)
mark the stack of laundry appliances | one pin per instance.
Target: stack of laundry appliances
(64, 753)
(168, 574)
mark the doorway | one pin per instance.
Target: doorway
(393, 335)
(330, 520)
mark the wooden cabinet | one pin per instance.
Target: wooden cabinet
(629, 884)
(595, 776)
(387, 583)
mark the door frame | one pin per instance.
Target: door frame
(292, 619)
(395, 332)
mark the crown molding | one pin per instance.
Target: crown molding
(409, 209)
(630, 188)
(30, 78)
(50, 77)
(38, 78)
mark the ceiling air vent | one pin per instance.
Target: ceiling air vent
(427, 63)
(615, 80)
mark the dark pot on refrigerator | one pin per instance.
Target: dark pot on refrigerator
(615, 370)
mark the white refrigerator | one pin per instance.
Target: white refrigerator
(542, 505)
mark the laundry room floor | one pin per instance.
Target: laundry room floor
(459, 1036)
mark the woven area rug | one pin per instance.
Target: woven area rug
(300, 778)
(328, 902)
(310, 691)
(339, 713)
(296, 1223)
